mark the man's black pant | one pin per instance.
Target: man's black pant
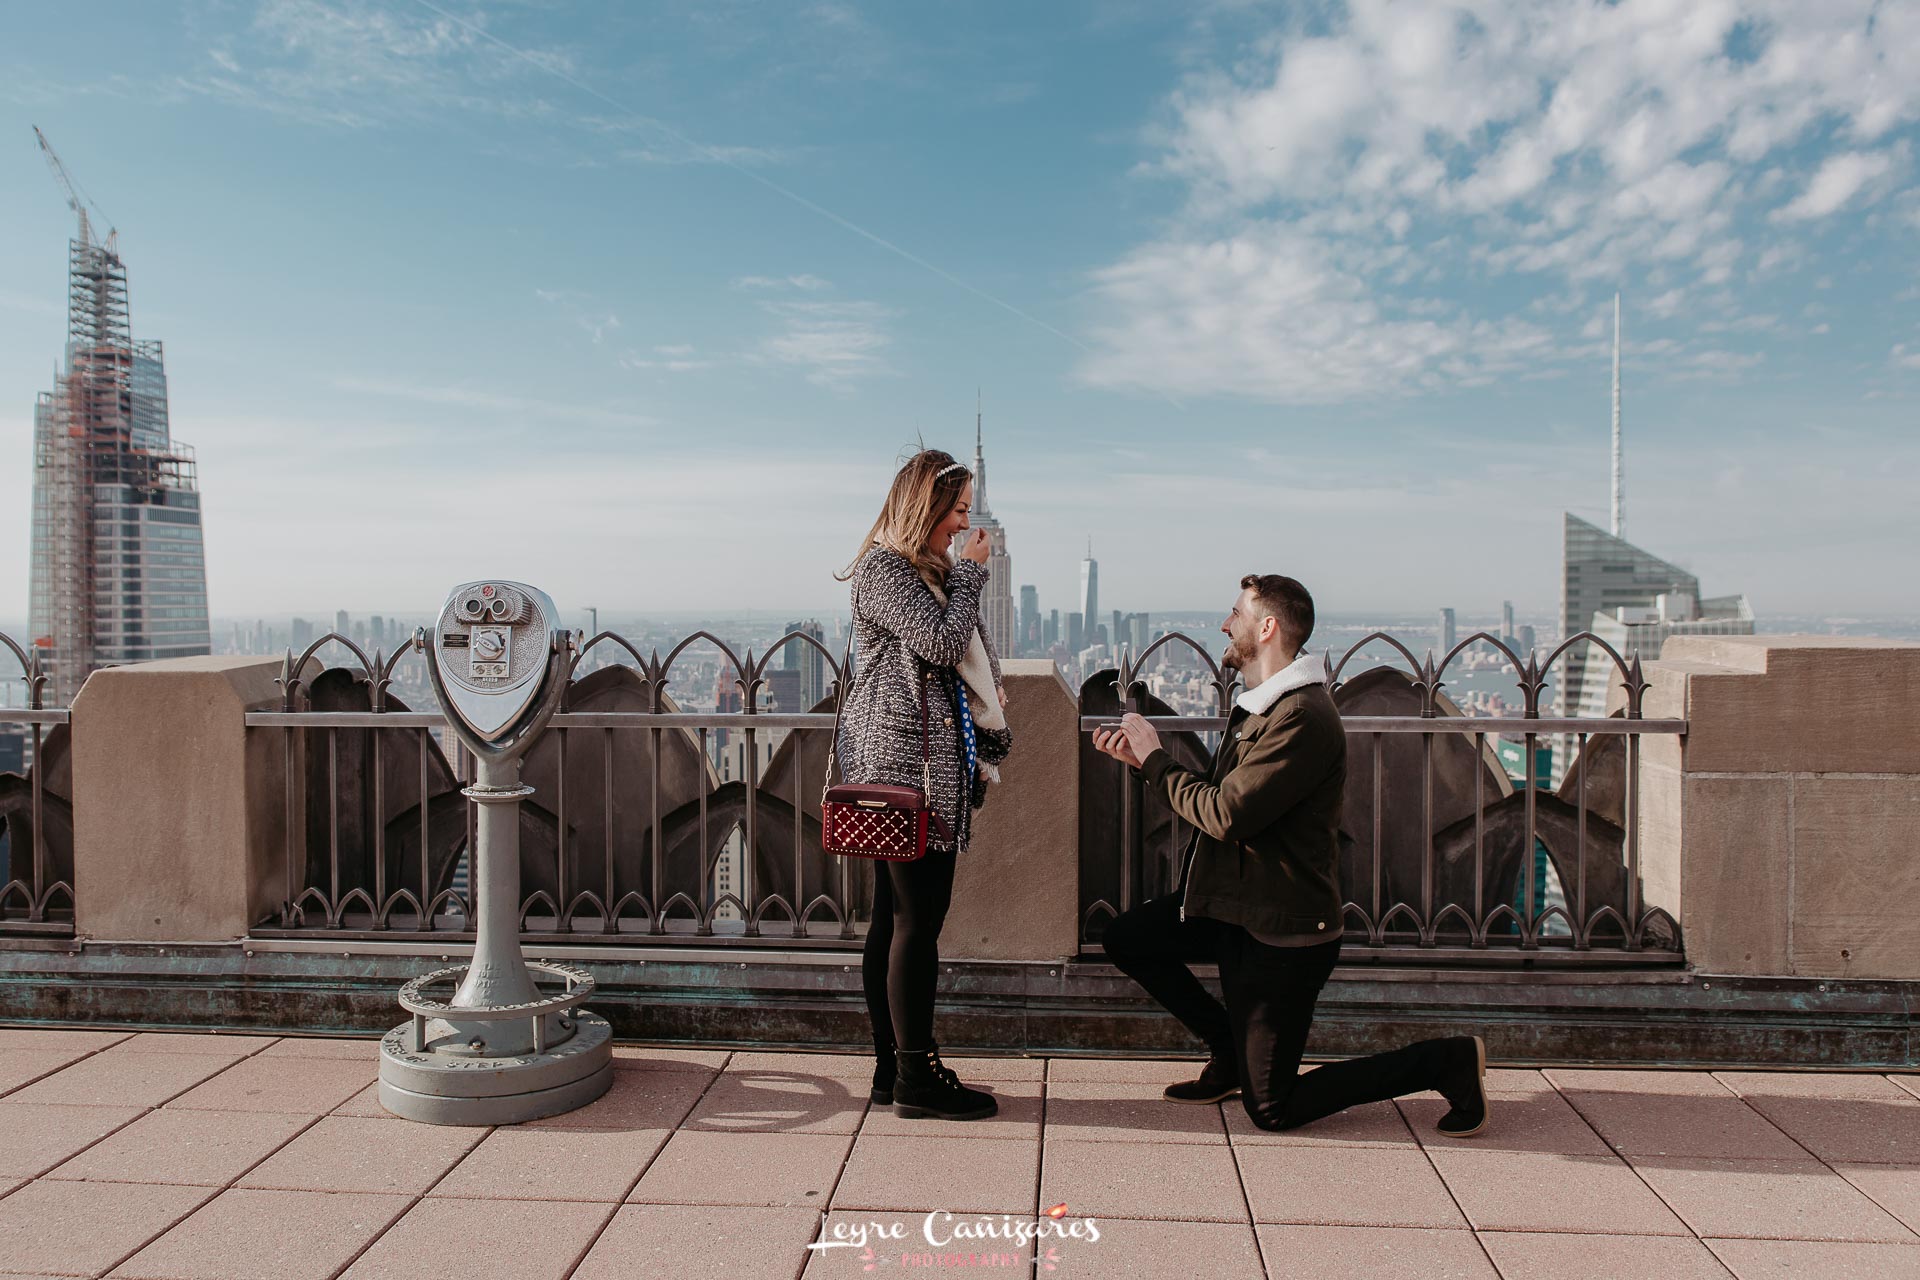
(1270, 994)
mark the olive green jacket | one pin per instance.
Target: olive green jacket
(1265, 852)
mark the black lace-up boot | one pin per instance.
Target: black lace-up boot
(925, 1086)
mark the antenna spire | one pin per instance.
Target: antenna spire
(979, 462)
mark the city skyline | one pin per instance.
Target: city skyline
(630, 302)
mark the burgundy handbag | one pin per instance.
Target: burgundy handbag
(875, 820)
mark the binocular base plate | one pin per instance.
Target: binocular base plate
(438, 1088)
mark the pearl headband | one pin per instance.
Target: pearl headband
(957, 466)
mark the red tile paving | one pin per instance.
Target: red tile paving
(344, 1153)
(118, 1079)
(244, 1234)
(1796, 1259)
(185, 1148)
(703, 1242)
(306, 1086)
(516, 1163)
(485, 1240)
(1346, 1187)
(778, 1102)
(971, 1175)
(1174, 1181)
(1769, 1200)
(1545, 1256)
(83, 1228)
(231, 1047)
(1389, 1253)
(157, 1156)
(33, 1139)
(21, 1067)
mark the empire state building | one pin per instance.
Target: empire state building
(996, 606)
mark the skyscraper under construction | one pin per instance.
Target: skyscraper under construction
(118, 571)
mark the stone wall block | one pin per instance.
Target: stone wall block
(1016, 893)
(1736, 897)
(1856, 883)
(1798, 704)
(179, 828)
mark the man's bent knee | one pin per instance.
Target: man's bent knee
(1269, 1115)
(1126, 936)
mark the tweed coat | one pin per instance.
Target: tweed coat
(903, 634)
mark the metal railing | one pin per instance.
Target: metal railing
(1443, 870)
(36, 821)
(649, 824)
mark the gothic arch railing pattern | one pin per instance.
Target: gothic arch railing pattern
(1442, 855)
(654, 824)
(36, 822)
(650, 823)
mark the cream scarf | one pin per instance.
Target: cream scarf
(983, 696)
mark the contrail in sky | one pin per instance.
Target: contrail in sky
(719, 157)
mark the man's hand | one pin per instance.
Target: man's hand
(1131, 743)
(1113, 742)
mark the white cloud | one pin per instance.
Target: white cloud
(538, 408)
(358, 64)
(673, 357)
(1839, 180)
(833, 343)
(1374, 155)
(1905, 358)
(593, 321)
(803, 282)
(1264, 314)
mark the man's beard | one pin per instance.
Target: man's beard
(1233, 658)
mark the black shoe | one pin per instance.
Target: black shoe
(925, 1086)
(1464, 1085)
(885, 1071)
(1217, 1080)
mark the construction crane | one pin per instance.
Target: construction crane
(76, 201)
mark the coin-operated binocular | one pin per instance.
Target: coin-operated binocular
(498, 1050)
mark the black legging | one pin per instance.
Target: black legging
(901, 960)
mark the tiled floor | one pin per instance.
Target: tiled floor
(203, 1157)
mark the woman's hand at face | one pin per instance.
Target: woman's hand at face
(976, 549)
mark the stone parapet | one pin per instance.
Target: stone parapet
(179, 812)
(1783, 830)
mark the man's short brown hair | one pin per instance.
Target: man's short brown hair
(1287, 601)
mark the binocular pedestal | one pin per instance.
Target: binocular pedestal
(497, 1051)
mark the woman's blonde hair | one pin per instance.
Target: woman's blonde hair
(924, 491)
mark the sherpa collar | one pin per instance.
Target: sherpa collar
(1304, 670)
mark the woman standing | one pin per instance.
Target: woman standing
(916, 620)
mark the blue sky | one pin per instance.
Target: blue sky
(641, 303)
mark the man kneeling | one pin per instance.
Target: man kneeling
(1260, 892)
